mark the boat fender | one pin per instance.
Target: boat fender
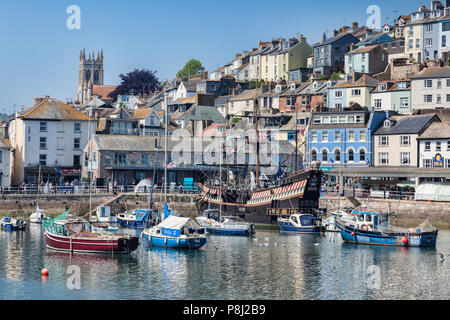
(364, 227)
(165, 240)
(353, 234)
(405, 240)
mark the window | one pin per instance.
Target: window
(438, 99)
(446, 26)
(76, 143)
(404, 102)
(77, 127)
(429, 28)
(314, 136)
(43, 143)
(439, 84)
(428, 42)
(383, 158)
(1, 156)
(405, 141)
(291, 136)
(405, 158)
(337, 156)
(317, 120)
(362, 155)
(356, 92)
(338, 94)
(417, 43)
(325, 136)
(428, 83)
(383, 141)
(448, 98)
(448, 83)
(378, 103)
(334, 119)
(359, 119)
(76, 161)
(427, 163)
(120, 158)
(438, 146)
(324, 156)
(145, 159)
(337, 136)
(351, 155)
(43, 159)
(444, 41)
(427, 146)
(411, 43)
(351, 136)
(314, 155)
(362, 136)
(43, 126)
(428, 98)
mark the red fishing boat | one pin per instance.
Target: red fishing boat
(78, 235)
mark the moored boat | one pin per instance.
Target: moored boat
(176, 233)
(11, 224)
(138, 218)
(37, 216)
(301, 223)
(69, 234)
(214, 223)
(373, 228)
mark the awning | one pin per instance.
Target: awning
(406, 184)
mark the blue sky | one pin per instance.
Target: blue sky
(39, 55)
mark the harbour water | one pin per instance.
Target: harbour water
(269, 266)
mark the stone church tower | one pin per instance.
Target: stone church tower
(90, 74)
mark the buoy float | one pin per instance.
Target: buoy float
(353, 234)
(44, 272)
(405, 240)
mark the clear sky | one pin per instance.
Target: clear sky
(40, 56)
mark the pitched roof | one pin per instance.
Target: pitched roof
(141, 113)
(433, 72)
(363, 49)
(103, 91)
(437, 130)
(333, 39)
(364, 81)
(245, 95)
(52, 109)
(405, 125)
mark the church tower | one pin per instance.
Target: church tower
(90, 74)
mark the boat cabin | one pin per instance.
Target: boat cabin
(370, 221)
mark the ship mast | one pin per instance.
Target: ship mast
(256, 111)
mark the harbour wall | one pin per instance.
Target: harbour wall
(409, 213)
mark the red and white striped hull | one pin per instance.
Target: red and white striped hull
(88, 245)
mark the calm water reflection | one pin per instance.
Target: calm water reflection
(269, 266)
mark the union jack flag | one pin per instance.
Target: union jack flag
(172, 165)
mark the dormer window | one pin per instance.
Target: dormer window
(278, 88)
(383, 87)
(402, 85)
(293, 86)
(387, 124)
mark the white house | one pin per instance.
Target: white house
(186, 89)
(430, 89)
(49, 136)
(128, 101)
(434, 146)
(5, 163)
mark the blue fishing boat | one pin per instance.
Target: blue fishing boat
(301, 223)
(176, 233)
(214, 223)
(10, 224)
(373, 228)
(138, 219)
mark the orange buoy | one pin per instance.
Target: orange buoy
(405, 240)
(353, 234)
(44, 272)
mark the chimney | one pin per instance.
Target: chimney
(336, 32)
(302, 39)
(355, 25)
(39, 100)
(324, 37)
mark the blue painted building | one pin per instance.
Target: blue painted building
(342, 139)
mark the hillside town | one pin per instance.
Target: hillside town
(371, 106)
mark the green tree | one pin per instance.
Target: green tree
(191, 67)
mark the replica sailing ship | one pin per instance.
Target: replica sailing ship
(298, 193)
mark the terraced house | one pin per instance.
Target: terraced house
(351, 92)
(430, 89)
(392, 96)
(342, 139)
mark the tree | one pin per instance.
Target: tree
(137, 82)
(191, 67)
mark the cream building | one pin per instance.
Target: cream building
(395, 143)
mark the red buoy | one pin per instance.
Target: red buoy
(353, 234)
(44, 272)
(405, 240)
